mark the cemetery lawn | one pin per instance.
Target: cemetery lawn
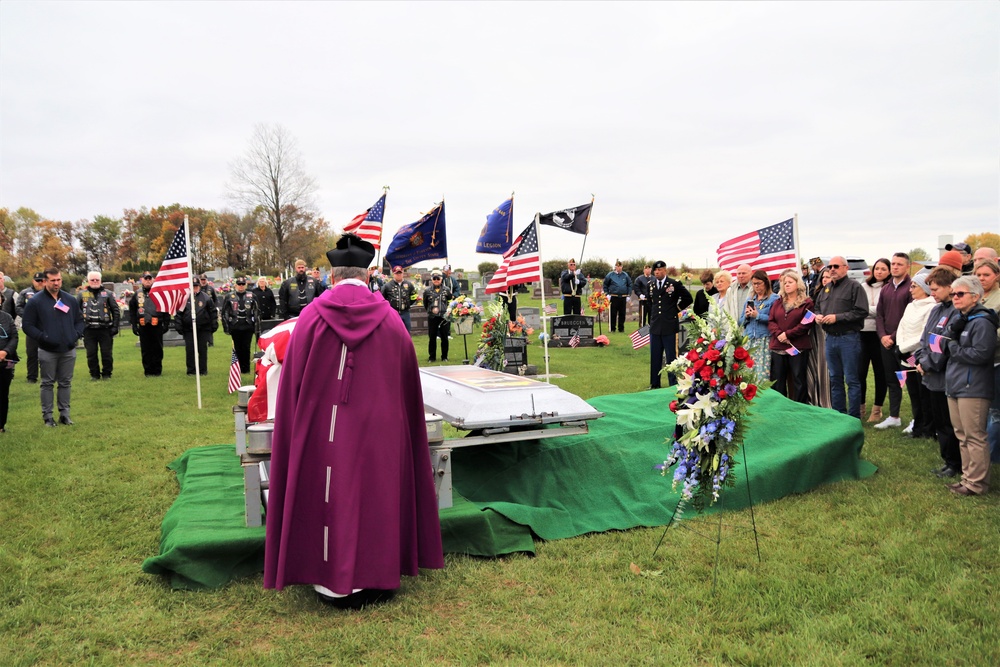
(890, 570)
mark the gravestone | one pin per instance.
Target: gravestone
(565, 326)
(532, 317)
(418, 320)
(515, 352)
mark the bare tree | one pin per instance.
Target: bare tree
(270, 178)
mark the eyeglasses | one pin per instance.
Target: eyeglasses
(436, 278)
(834, 266)
(960, 294)
(147, 277)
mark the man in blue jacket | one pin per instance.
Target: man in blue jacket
(617, 285)
(53, 318)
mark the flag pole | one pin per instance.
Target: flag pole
(795, 240)
(545, 317)
(588, 229)
(378, 256)
(194, 310)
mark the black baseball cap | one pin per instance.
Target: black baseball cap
(39, 277)
(961, 247)
(195, 283)
(147, 274)
(241, 281)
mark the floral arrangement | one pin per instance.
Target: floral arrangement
(123, 299)
(598, 302)
(519, 327)
(687, 278)
(715, 385)
(489, 352)
(464, 307)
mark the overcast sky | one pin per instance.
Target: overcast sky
(877, 123)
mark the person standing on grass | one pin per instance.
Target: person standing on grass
(968, 379)
(207, 321)
(352, 505)
(8, 357)
(871, 349)
(666, 297)
(790, 342)
(240, 319)
(102, 315)
(617, 285)
(640, 287)
(988, 272)
(30, 344)
(436, 299)
(908, 333)
(841, 308)
(148, 324)
(892, 302)
(571, 284)
(53, 317)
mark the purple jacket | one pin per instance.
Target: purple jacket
(352, 501)
(892, 302)
(790, 324)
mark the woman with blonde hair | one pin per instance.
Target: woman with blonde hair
(790, 340)
(723, 280)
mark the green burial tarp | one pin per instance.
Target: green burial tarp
(506, 494)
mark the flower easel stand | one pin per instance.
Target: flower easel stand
(715, 385)
(463, 327)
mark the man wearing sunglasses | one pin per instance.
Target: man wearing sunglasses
(436, 299)
(148, 324)
(101, 312)
(841, 307)
(30, 344)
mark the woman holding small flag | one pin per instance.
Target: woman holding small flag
(790, 344)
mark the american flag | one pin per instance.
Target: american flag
(173, 282)
(550, 309)
(368, 225)
(235, 376)
(575, 340)
(640, 338)
(520, 264)
(771, 249)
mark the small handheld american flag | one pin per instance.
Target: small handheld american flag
(640, 338)
(575, 340)
(235, 376)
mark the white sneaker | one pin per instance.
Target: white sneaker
(889, 422)
(909, 428)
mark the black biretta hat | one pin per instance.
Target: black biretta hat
(351, 251)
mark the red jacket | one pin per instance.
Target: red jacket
(790, 324)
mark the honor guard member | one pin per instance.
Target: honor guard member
(30, 344)
(618, 286)
(571, 283)
(640, 287)
(666, 297)
(208, 289)
(436, 299)
(240, 319)
(148, 324)
(102, 315)
(297, 292)
(208, 322)
(400, 294)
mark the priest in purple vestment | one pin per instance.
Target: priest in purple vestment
(351, 506)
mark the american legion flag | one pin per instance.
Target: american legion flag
(771, 249)
(368, 225)
(520, 263)
(173, 282)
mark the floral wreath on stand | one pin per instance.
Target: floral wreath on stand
(715, 385)
(464, 307)
(598, 302)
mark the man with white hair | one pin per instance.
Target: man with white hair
(102, 315)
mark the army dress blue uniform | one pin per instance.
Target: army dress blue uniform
(667, 298)
(102, 317)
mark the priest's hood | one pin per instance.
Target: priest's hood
(353, 312)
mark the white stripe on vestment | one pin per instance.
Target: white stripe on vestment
(343, 360)
(333, 421)
(328, 484)
(326, 543)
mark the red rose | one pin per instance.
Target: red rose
(692, 355)
(736, 367)
(721, 372)
(705, 373)
(689, 371)
(750, 392)
(741, 353)
(700, 340)
(722, 394)
(712, 355)
(673, 406)
(713, 382)
(749, 363)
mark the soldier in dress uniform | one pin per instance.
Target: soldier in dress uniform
(102, 316)
(297, 292)
(436, 299)
(30, 344)
(241, 319)
(400, 294)
(666, 297)
(207, 321)
(571, 284)
(148, 324)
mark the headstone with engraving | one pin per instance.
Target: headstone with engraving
(515, 352)
(532, 317)
(566, 326)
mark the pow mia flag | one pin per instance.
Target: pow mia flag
(572, 219)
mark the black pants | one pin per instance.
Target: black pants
(871, 355)
(951, 455)
(920, 401)
(241, 343)
(94, 339)
(890, 364)
(571, 305)
(31, 346)
(617, 318)
(6, 375)
(151, 345)
(643, 312)
(785, 366)
(658, 347)
(437, 327)
(202, 351)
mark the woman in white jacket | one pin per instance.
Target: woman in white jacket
(908, 334)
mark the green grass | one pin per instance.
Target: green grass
(891, 570)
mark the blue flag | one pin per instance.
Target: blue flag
(495, 237)
(420, 240)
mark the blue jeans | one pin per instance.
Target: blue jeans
(842, 359)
